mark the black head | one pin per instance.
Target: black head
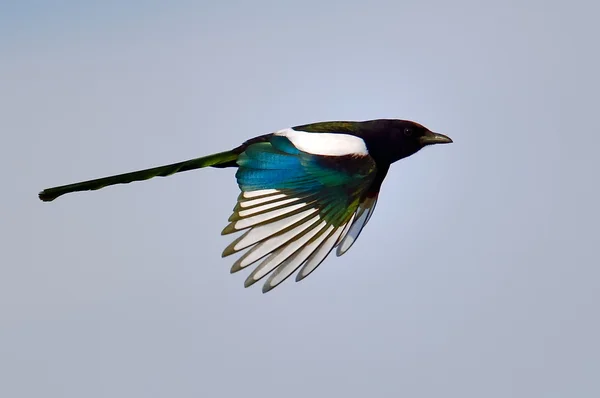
(393, 139)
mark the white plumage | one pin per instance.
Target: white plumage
(328, 144)
(292, 236)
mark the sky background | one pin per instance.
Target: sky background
(477, 276)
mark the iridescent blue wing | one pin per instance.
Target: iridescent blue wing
(296, 206)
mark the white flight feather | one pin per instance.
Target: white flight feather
(262, 192)
(254, 202)
(261, 232)
(281, 254)
(267, 246)
(319, 255)
(291, 264)
(260, 218)
(258, 209)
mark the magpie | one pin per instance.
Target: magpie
(305, 190)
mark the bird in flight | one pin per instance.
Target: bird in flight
(305, 190)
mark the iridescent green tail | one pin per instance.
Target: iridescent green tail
(222, 159)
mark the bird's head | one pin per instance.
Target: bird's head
(395, 139)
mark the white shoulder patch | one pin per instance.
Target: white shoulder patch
(328, 144)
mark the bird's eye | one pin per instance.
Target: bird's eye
(408, 131)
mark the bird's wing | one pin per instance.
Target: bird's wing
(302, 195)
(362, 216)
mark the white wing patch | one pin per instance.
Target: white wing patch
(267, 246)
(263, 231)
(282, 254)
(328, 144)
(317, 257)
(292, 263)
(286, 233)
(258, 209)
(266, 199)
(262, 192)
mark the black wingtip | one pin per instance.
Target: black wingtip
(267, 288)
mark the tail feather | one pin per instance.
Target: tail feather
(222, 159)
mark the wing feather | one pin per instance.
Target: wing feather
(283, 253)
(363, 215)
(295, 208)
(317, 257)
(292, 263)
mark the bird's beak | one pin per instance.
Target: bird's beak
(435, 138)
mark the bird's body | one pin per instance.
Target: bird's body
(305, 190)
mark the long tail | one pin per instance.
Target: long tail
(222, 159)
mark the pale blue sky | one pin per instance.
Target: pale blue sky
(477, 276)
